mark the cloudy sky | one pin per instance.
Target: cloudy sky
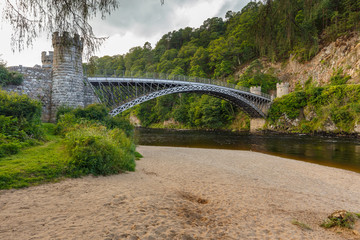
(134, 23)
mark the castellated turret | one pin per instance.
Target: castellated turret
(47, 60)
(282, 89)
(68, 78)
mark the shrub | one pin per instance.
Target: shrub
(8, 146)
(19, 106)
(96, 150)
(9, 78)
(66, 123)
(121, 123)
(92, 112)
(67, 117)
(341, 218)
(20, 124)
(290, 104)
(339, 78)
(63, 109)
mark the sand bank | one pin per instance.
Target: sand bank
(184, 193)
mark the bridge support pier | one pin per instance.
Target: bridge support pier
(256, 124)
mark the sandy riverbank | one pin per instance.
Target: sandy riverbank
(184, 193)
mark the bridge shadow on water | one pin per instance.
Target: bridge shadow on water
(334, 152)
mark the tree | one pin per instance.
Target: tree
(30, 18)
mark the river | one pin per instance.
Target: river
(334, 152)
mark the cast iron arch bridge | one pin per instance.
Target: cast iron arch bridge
(122, 93)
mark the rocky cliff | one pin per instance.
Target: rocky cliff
(343, 53)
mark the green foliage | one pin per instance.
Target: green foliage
(20, 124)
(97, 143)
(19, 106)
(188, 110)
(67, 117)
(342, 117)
(346, 220)
(63, 109)
(254, 77)
(96, 150)
(339, 78)
(301, 225)
(290, 105)
(9, 78)
(339, 104)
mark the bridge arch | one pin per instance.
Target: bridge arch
(123, 93)
(235, 99)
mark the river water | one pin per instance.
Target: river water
(335, 152)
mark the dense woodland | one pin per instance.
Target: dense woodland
(274, 29)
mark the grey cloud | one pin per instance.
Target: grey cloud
(148, 17)
(144, 17)
(233, 6)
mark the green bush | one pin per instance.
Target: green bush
(20, 124)
(121, 123)
(9, 78)
(8, 146)
(339, 104)
(339, 78)
(92, 112)
(96, 150)
(66, 123)
(63, 109)
(67, 117)
(19, 106)
(290, 105)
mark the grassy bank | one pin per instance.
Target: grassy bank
(34, 165)
(83, 141)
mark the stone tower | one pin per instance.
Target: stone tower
(282, 89)
(68, 78)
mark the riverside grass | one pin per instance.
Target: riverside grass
(34, 165)
(55, 159)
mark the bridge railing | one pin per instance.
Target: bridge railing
(165, 76)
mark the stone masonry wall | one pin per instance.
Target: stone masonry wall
(60, 81)
(37, 85)
(89, 96)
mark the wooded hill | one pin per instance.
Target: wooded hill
(274, 29)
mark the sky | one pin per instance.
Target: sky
(133, 24)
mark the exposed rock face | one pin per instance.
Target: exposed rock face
(343, 53)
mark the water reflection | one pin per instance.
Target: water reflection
(335, 152)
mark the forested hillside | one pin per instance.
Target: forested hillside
(219, 48)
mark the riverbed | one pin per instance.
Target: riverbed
(187, 193)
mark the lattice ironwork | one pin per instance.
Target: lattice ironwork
(121, 94)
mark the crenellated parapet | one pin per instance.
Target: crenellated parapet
(47, 59)
(64, 40)
(256, 90)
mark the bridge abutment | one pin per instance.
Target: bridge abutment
(256, 124)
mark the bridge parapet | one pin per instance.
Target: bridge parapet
(134, 76)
